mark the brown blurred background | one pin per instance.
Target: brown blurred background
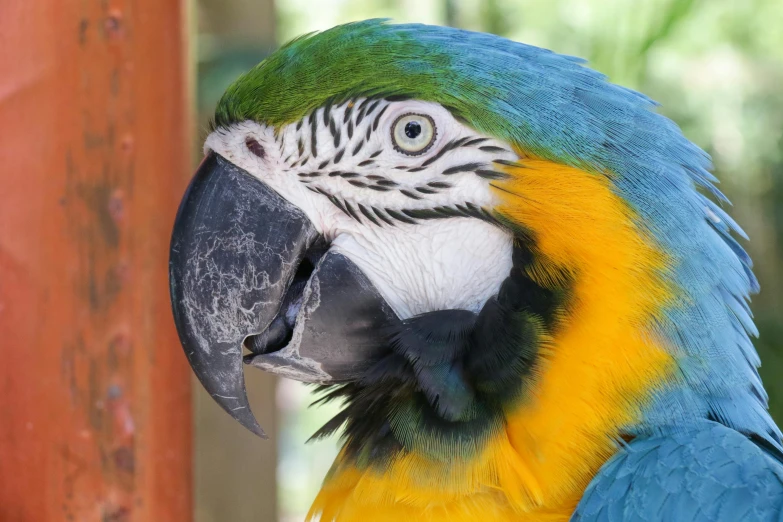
(103, 108)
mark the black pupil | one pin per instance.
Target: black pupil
(412, 129)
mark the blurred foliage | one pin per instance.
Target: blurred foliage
(716, 66)
(302, 464)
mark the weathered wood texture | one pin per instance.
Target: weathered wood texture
(95, 412)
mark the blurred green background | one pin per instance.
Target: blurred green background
(716, 66)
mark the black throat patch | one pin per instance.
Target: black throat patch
(449, 376)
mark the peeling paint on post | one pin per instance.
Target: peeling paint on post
(95, 412)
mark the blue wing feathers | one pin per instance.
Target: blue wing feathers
(706, 473)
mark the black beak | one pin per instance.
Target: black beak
(248, 269)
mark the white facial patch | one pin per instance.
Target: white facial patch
(418, 225)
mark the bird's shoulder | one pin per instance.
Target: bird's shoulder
(708, 472)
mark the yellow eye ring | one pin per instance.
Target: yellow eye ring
(413, 134)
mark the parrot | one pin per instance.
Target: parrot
(517, 278)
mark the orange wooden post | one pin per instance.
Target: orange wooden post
(95, 412)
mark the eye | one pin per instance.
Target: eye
(413, 134)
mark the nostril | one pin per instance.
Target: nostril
(255, 147)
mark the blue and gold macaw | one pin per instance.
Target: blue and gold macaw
(512, 272)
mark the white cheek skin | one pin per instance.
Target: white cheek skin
(438, 265)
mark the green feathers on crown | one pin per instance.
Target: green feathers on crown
(361, 59)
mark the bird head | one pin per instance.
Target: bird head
(487, 250)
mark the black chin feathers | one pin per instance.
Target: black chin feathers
(448, 376)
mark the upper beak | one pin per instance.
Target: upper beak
(237, 276)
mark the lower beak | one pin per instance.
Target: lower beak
(247, 268)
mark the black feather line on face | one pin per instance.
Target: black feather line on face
(348, 111)
(467, 167)
(327, 111)
(382, 216)
(438, 155)
(409, 194)
(368, 215)
(335, 132)
(448, 376)
(352, 212)
(372, 107)
(439, 184)
(490, 174)
(378, 118)
(360, 115)
(313, 132)
(363, 105)
(399, 217)
(492, 148)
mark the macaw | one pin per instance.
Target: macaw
(516, 276)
